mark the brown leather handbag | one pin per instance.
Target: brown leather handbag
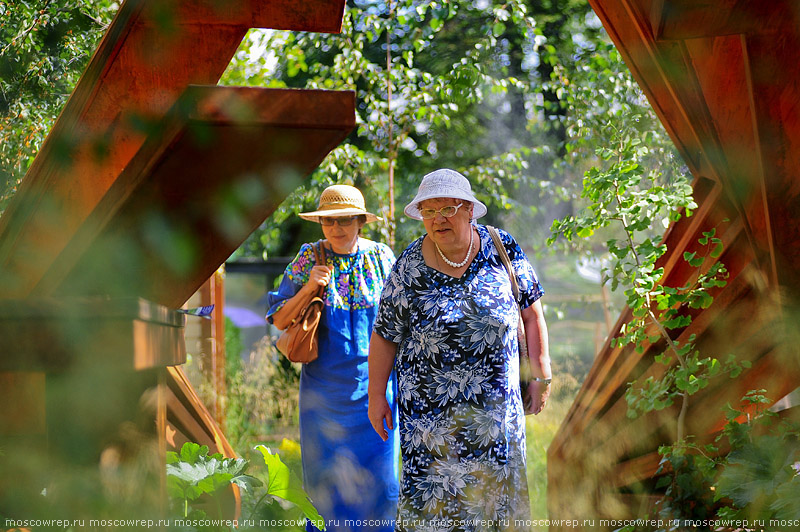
(299, 341)
(522, 341)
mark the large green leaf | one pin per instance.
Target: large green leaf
(284, 483)
(195, 472)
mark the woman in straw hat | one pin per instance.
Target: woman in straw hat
(447, 324)
(350, 474)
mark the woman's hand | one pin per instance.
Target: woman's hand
(319, 276)
(379, 412)
(381, 363)
(539, 392)
(538, 354)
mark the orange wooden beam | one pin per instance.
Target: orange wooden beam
(222, 160)
(152, 51)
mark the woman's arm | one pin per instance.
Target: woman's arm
(381, 361)
(538, 353)
(319, 276)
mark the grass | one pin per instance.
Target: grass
(541, 430)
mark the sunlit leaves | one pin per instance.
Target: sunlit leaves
(194, 472)
(419, 70)
(625, 192)
(283, 483)
(44, 47)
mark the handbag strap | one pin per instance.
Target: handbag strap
(319, 253)
(504, 258)
(319, 260)
(512, 275)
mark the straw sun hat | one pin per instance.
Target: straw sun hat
(339, 200)
(444, 183)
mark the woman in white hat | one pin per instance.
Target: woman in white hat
(350, 474)
(447, 324)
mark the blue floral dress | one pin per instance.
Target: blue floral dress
(462, 424)
(349, 472)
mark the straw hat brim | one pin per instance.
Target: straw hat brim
(314, 216)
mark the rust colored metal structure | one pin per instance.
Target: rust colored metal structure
(150, 178)
(723, 78)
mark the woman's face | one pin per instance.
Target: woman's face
(448, 232)
(342, 232)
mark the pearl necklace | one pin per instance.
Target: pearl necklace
(469, 251)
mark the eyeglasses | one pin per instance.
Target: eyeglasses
(448, 212)
(343, 221)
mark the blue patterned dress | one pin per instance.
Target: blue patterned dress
(462, 425)
(349, 472)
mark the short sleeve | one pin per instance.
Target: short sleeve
(391, 322)
(294, 278)
(530, 288)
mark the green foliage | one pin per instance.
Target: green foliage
(437, 83)
(688, 490)
(632, 190)
(622, 193)
(195, 481)
(756, 481)
(687, 371)
(609, 127)
(194, 473)
(284, 483)
(44, 47)
(261, 394)
(540, 431)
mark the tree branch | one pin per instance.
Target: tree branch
(23, 35)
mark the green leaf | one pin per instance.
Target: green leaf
(285, 484)
(754, 470)
(654, 338)
(191, 452)
(180, 489)
(213, 481)
(701, 300)
(677, 322)
(246, 482)
(693, 259)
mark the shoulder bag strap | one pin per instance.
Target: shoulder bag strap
(521, 336)
(504, 258)
(320, 255)
(512, 274)
(319, 260)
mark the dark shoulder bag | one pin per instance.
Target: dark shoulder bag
(524, 361)
(299, 341)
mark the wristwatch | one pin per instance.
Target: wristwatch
(540, 379)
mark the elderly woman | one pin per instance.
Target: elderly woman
(447, 324)
(350, 474)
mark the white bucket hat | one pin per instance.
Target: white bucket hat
(339, 200)
(444, 183)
